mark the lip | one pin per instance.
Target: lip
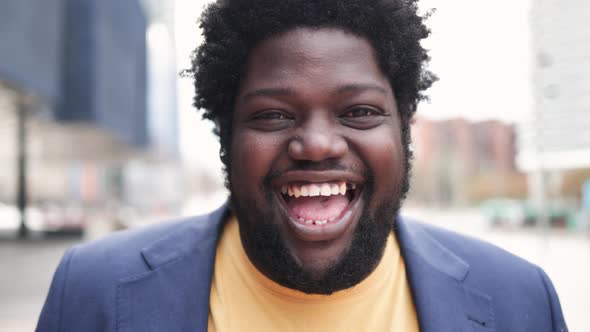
(332, 230)
(317, 177)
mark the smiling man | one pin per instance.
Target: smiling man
(312, 101)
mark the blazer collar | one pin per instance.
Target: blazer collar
(443, 301)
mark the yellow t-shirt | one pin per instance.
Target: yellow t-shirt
(243, 299)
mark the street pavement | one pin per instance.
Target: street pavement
(26, 267)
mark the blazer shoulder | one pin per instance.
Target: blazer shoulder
(489, 267)
(120, 253)
(473, 250)
(84, 286)
(513, 283)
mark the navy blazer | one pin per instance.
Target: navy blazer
(158, 279)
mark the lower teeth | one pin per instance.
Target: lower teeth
(313, 222)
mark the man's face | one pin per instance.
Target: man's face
(317, 159)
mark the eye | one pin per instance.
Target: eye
(362, 117)
(270, 120)
(271, 116)
(360, 112)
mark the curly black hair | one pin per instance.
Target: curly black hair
(232, 28)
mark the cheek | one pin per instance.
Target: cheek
(253, 154)
(383, 154)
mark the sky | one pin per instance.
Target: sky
(480, 51)
(198, 145)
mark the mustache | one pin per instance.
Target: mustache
(328, 165)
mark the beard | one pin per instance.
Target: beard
(267, 249)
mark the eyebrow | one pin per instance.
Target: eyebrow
(358, 87)
(283, 91)
(268, 92)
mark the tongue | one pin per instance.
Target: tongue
(318, 207)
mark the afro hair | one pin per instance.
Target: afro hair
(232, 28)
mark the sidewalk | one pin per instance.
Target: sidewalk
(27, 268)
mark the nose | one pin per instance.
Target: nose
(317, 141)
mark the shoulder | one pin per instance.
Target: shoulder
(85, 283)
(513, 284)
(469, 248)
(120, 254)
(485, 260)
(92, 270)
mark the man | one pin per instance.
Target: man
(312, 101)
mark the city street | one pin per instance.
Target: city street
(26, 267)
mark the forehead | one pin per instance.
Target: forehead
(323, 56)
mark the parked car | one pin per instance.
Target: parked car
(505, 212)
(10, 218)
(514, 212)
(69, 218)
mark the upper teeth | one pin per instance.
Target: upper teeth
(316, 189)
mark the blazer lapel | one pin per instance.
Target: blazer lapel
(443, 302)
(174, 294)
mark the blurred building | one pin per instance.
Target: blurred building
(458, 161)
(556, 135)
(162, 76)
(554, 144)
(81, 74)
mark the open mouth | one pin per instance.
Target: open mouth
(319, 204)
